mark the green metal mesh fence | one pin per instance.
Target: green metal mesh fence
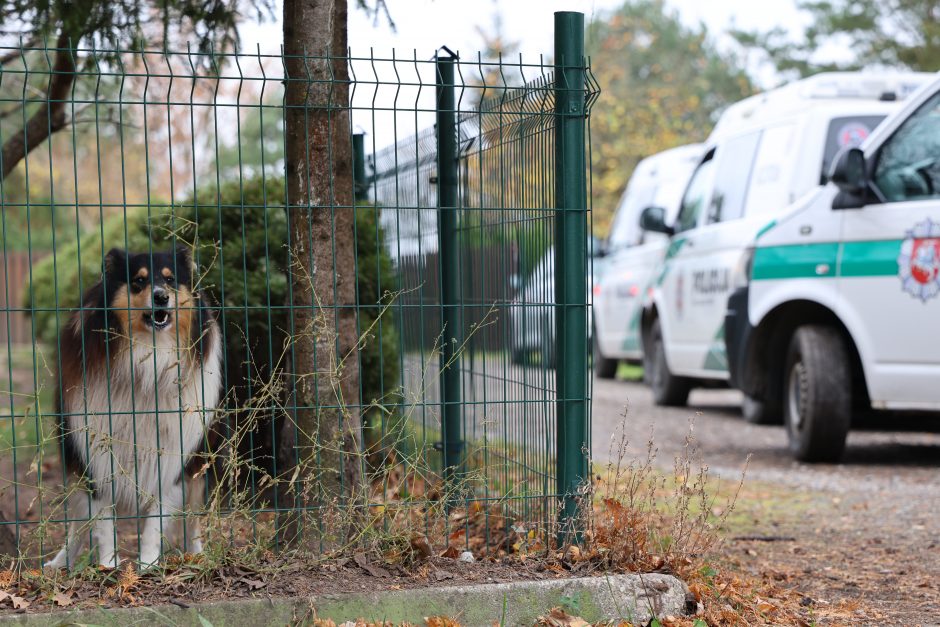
(160, 354)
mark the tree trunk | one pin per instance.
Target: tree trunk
(324, 388)
(50, 117)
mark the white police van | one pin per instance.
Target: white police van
(767, 154)
(841, 306)
(634, 256)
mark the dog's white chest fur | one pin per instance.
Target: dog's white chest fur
(136, 423)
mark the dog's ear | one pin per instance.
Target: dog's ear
(184, 259)
(115, 262)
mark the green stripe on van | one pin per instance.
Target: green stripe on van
(765, 228)
(877, 258)
(674, 247)
(796, 261)
(801, 261)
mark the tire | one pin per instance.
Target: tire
(668, 389)
(604, 367)
(518, 356)
(817, 396)
(760, 412)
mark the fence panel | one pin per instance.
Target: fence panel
(178, 275)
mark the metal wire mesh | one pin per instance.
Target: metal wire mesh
(178, 159)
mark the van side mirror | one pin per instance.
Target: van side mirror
(850, 175)
(654, 219)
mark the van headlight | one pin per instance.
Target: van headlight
(742, 271)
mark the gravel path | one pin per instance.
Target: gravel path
(866, 533)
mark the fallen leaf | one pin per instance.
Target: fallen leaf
(375, 571)
(62, 599)
(254, 584)
(19, 603)
(451, 552)
(558, 617)
(421, 546)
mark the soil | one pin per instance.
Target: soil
(854, 544)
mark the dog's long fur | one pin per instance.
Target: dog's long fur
(137, 392)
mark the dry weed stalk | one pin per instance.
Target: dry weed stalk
(645, 520)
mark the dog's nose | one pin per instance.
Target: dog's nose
(161, 298)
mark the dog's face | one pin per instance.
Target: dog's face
(150, 292)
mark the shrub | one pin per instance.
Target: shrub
(239, 238)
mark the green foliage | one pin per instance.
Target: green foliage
(130, 22)
(23, 230)
(259, 145)
(238, 234)
(662, 85)
(893, 33)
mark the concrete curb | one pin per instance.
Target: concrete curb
(635, 598)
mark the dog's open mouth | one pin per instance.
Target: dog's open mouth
(158, 319)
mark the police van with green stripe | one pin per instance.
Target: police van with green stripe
(771, 284)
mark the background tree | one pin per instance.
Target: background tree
(112, 24)
(662, 85)
(893, 33)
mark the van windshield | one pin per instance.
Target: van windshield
(846, 132)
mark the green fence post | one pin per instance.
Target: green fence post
(570, 268)
(452, 336)
(360, 184)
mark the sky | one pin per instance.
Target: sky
(422, 26)
(425, 25)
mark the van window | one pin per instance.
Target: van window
(697, 194)
(735, 160)
(909, 165)
(626, 228)
(846, 132)
(773, 171)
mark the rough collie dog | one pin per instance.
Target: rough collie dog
(140, 377)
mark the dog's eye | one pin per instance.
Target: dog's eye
(140, 281)
(170, 280)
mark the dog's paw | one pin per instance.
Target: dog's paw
(57, 562)
(109, 561)
(194, 546)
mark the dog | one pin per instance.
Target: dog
(140, 375)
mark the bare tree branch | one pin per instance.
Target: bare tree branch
(47, 119)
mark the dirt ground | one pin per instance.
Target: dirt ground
(861, 536)
(864, 534)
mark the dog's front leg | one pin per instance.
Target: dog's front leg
(159, 520)
(102, 515)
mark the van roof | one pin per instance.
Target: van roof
(667, 159)
(826, 88)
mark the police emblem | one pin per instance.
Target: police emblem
(919, 261)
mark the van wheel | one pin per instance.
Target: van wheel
(817, 394)
(604, 368)
(760, 412)
(519, 356)
(668, 389)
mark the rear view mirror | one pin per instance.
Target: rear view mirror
(848, 172)
(654, 219)
(850, 175)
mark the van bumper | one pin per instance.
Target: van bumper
(738, 332)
